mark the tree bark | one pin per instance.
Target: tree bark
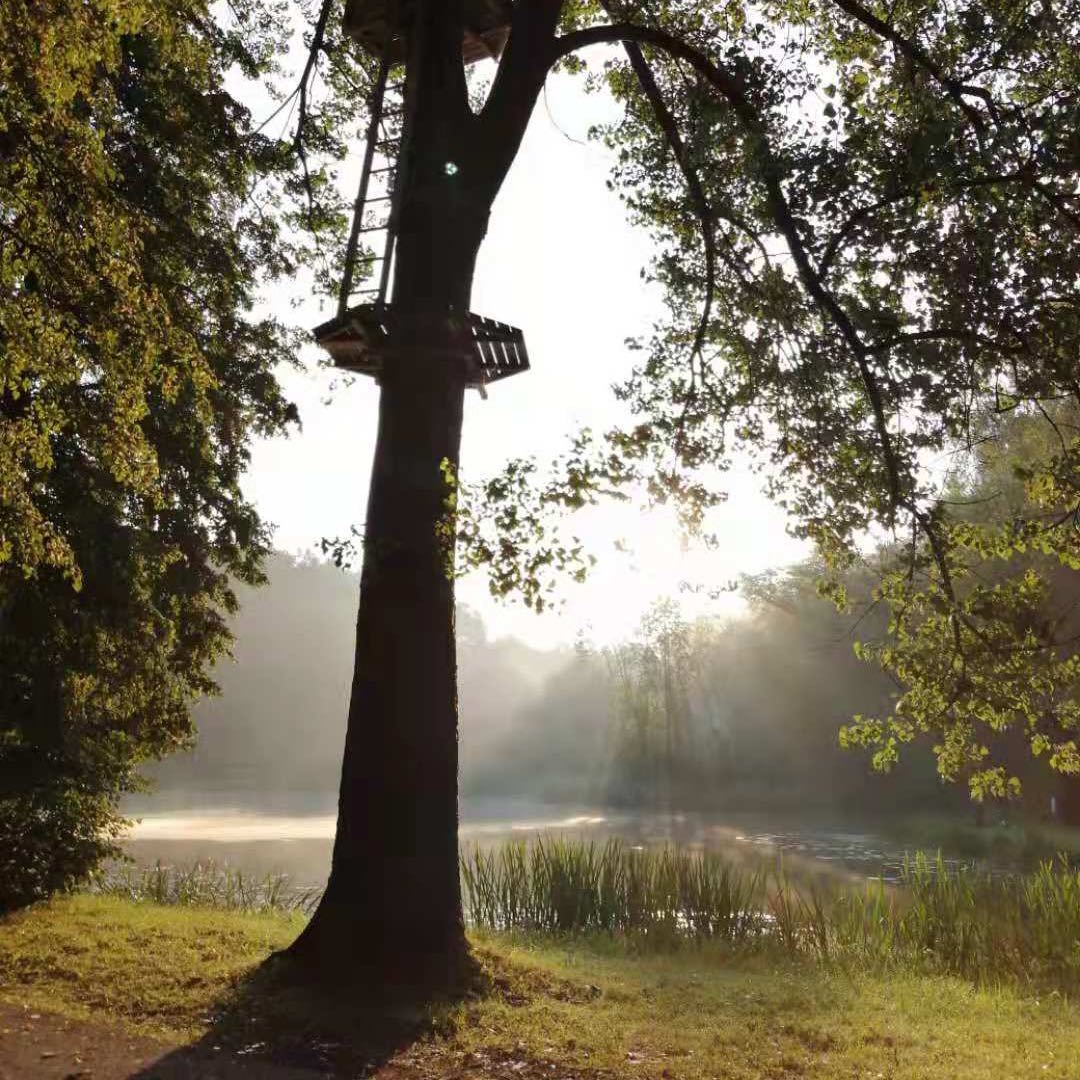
(392, 907)
(1069, 799)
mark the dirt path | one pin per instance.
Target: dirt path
(47, 1046)
(43, 1046)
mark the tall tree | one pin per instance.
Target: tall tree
(867, 216)
(393, 900)
(132, 379)
(868, 220)
(652, 680)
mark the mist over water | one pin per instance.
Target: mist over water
(300, 844)
(719, 736)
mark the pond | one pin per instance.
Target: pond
(294, 834)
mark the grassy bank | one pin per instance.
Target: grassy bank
(939, 919)
(591, 1006)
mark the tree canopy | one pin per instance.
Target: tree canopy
(133, 375)
(866, 219)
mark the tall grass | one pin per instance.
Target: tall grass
(956, 921)
(564, 886)
(204, 884)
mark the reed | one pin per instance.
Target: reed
(565, 886)
(937, 918)
(204, 884)
(956, 921)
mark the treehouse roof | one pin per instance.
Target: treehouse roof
(377, 24)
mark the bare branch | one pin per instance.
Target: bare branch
(314, 49)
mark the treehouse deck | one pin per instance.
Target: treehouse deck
(359, 341)
(380, 27)
(360, 338)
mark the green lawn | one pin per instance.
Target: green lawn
(584, 1008)
(159, 968)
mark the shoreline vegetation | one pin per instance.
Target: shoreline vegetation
(939, 918)
(942, 919)
(549, 1005)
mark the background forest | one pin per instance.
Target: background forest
(735, 714)
(740, 713)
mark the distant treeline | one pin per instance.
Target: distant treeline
(741, 714)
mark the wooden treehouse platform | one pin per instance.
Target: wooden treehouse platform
(380, 27)
(359, 341)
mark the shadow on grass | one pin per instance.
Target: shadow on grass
(278, 1026)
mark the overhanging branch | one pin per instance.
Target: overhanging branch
(702, 209)
(620, 33)
(734, 90)
(958, 91)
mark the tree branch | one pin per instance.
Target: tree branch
(314, 49)
(734, 90)
(1025, 176)
(619, 33)
(958, 91)
(521, 76)
(700, 200)
(946, 333)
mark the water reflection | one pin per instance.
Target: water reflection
(295, 836)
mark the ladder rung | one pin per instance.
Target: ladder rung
(377, 199)
(386, 169)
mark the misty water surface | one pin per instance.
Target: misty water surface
(293, 834)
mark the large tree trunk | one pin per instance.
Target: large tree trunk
(393, 903)
(1069, 800)
(392, 907)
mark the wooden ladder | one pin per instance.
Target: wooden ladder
(376, 211)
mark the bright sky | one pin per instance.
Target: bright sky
(562, 262)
